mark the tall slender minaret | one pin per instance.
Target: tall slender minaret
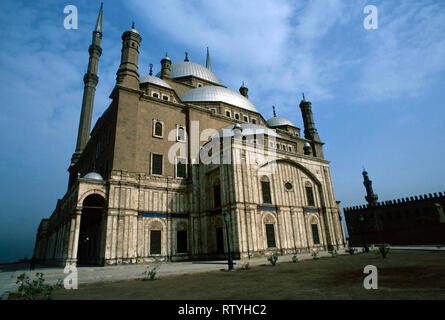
(208, 64)
(371, 198)
(90, 80)
(310, 131)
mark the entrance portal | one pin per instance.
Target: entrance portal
(91, 246)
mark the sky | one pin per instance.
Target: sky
(377, 95)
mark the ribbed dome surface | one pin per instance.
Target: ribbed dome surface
(154, 80)
(218, 94)
(279, 121)
(188, 68)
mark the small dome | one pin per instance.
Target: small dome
(187, 68)
(154, 80)
(218, 94)
(132, 29)
(279, 121)
(307, 145)
(93, 176)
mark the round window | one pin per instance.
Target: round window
(288, 186)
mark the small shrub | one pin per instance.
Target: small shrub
(333, 253)
(150, 273)
(273, 259)
(33, 289)
(350, 250)
(315, 255)
(245, 266)
(384, 249)
(59, 284)
(294, 258)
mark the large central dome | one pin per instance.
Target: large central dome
(218, 94)
(188, 68)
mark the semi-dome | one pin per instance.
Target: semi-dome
(218, 94)
(93, 176)
(188, 68)
(154, 80)
(279, 121)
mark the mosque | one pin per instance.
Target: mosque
(175, 161)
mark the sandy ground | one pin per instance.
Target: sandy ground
(403, 275)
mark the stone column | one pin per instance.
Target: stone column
(74, 237)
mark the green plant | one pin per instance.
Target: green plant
(59, 283)
(273, 259)
(33, 289)
(315, 255)
(150, 273)
(333, 253)
(245, 266)
(384, 249)
(350, 250)
(294, 258)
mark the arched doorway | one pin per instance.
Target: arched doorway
(90, 235)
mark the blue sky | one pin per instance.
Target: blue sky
(377, 95)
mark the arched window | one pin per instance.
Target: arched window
(158, 129)
(269, 223)
(315, 235)
(310, 195)
(181, 134)
(265, 189)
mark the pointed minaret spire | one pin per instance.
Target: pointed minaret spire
(90, 80)
(371, 198)
(99, 19)
(208, 64)
(274, 113)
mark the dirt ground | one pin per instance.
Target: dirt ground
(402, 275)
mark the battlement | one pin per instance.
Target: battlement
(396, 202)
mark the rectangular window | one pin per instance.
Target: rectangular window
(219, 240)
(182, 241)
(164, 97)
(265, 188)
(310, 196)
(289, 148)
(156, 167)
(181, 170)
(270, 235)
(315, 235)
(237, 116)
(155, 95)
(228, 114)
(217, 195)
(254, 121)
(155, 241)
(246, 118)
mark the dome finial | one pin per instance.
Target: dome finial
(244, 91)
(151, 69)
(186, 56)
(274, 113)
(304, 98)
(132, 25)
